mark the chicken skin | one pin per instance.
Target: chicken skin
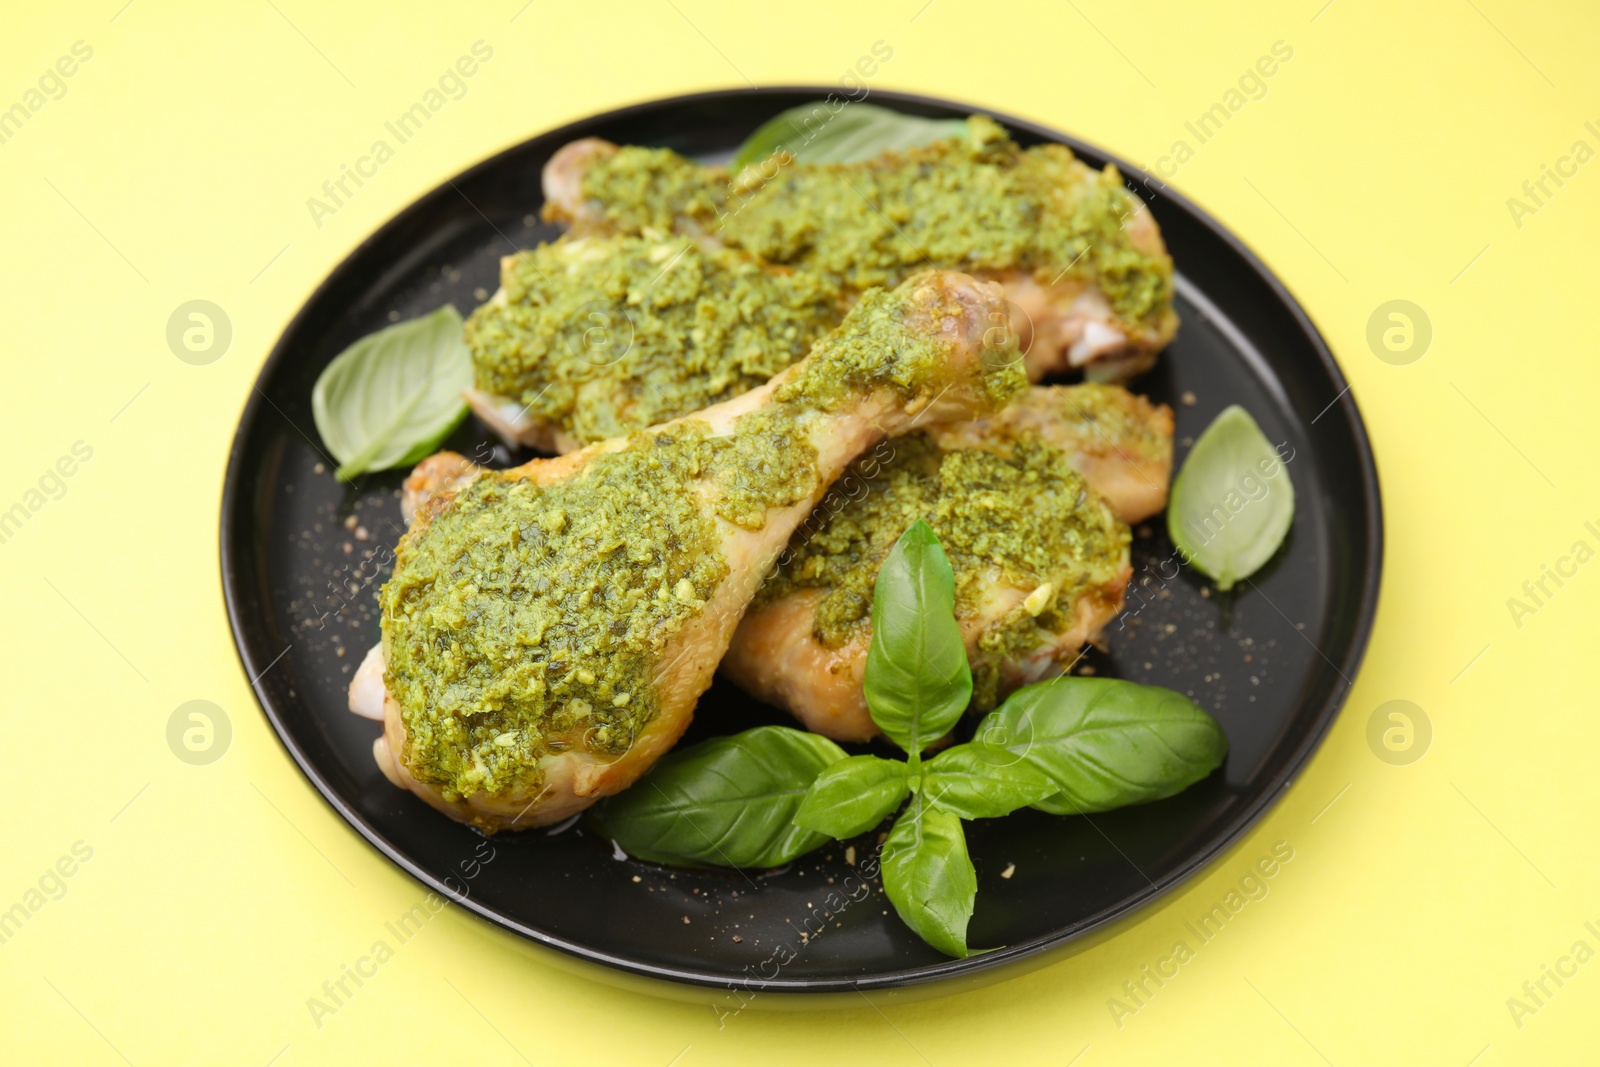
(1087, 277)
(1031, 505)
(548, 629)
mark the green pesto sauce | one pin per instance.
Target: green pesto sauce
(973, 203)
(602, 336)
(1025, 512)
(767, 462)
(649, 191)
(522, 620)
(872, 348)
(1107, 418)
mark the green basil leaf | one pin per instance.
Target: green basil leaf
(975, 782)
(1105, 743)
(822, 133)
(928, 876)
(728, 802)
(917, 679)
(1232, 501)
(389, 399)
(854, 795)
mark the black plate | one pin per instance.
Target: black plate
(1272, 663)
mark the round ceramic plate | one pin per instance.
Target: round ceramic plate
(303, 558)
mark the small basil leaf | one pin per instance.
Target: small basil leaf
(1105, 743)
(822, 133)
(977, 782)
(1232, 501)
(917, 679)
(929, 877)
(853, 796)
(390, 398)
(728, 802)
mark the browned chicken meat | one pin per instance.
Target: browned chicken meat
(547, 630)
(1087, 277)
(1031, 505)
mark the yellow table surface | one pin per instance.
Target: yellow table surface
(1376, 164)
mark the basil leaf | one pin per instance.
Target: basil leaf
(854, 795)
(390, 398)
(728, 802)
(1232, 501)
(821, 133)
(978, 783)
(928, 876)
(917, 679)
(1105, 743)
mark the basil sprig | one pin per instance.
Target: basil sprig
(854, 795)
(390, 398)
(1232, 501)
(1066, 745)
(918, 682)
(1103, 743)
(1070, 745)
(842, 132)
(917, 685)
(977, 782)
(727, 802)
(929, 876)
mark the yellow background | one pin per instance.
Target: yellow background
(1377, 167)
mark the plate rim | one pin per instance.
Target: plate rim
(995, 965)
